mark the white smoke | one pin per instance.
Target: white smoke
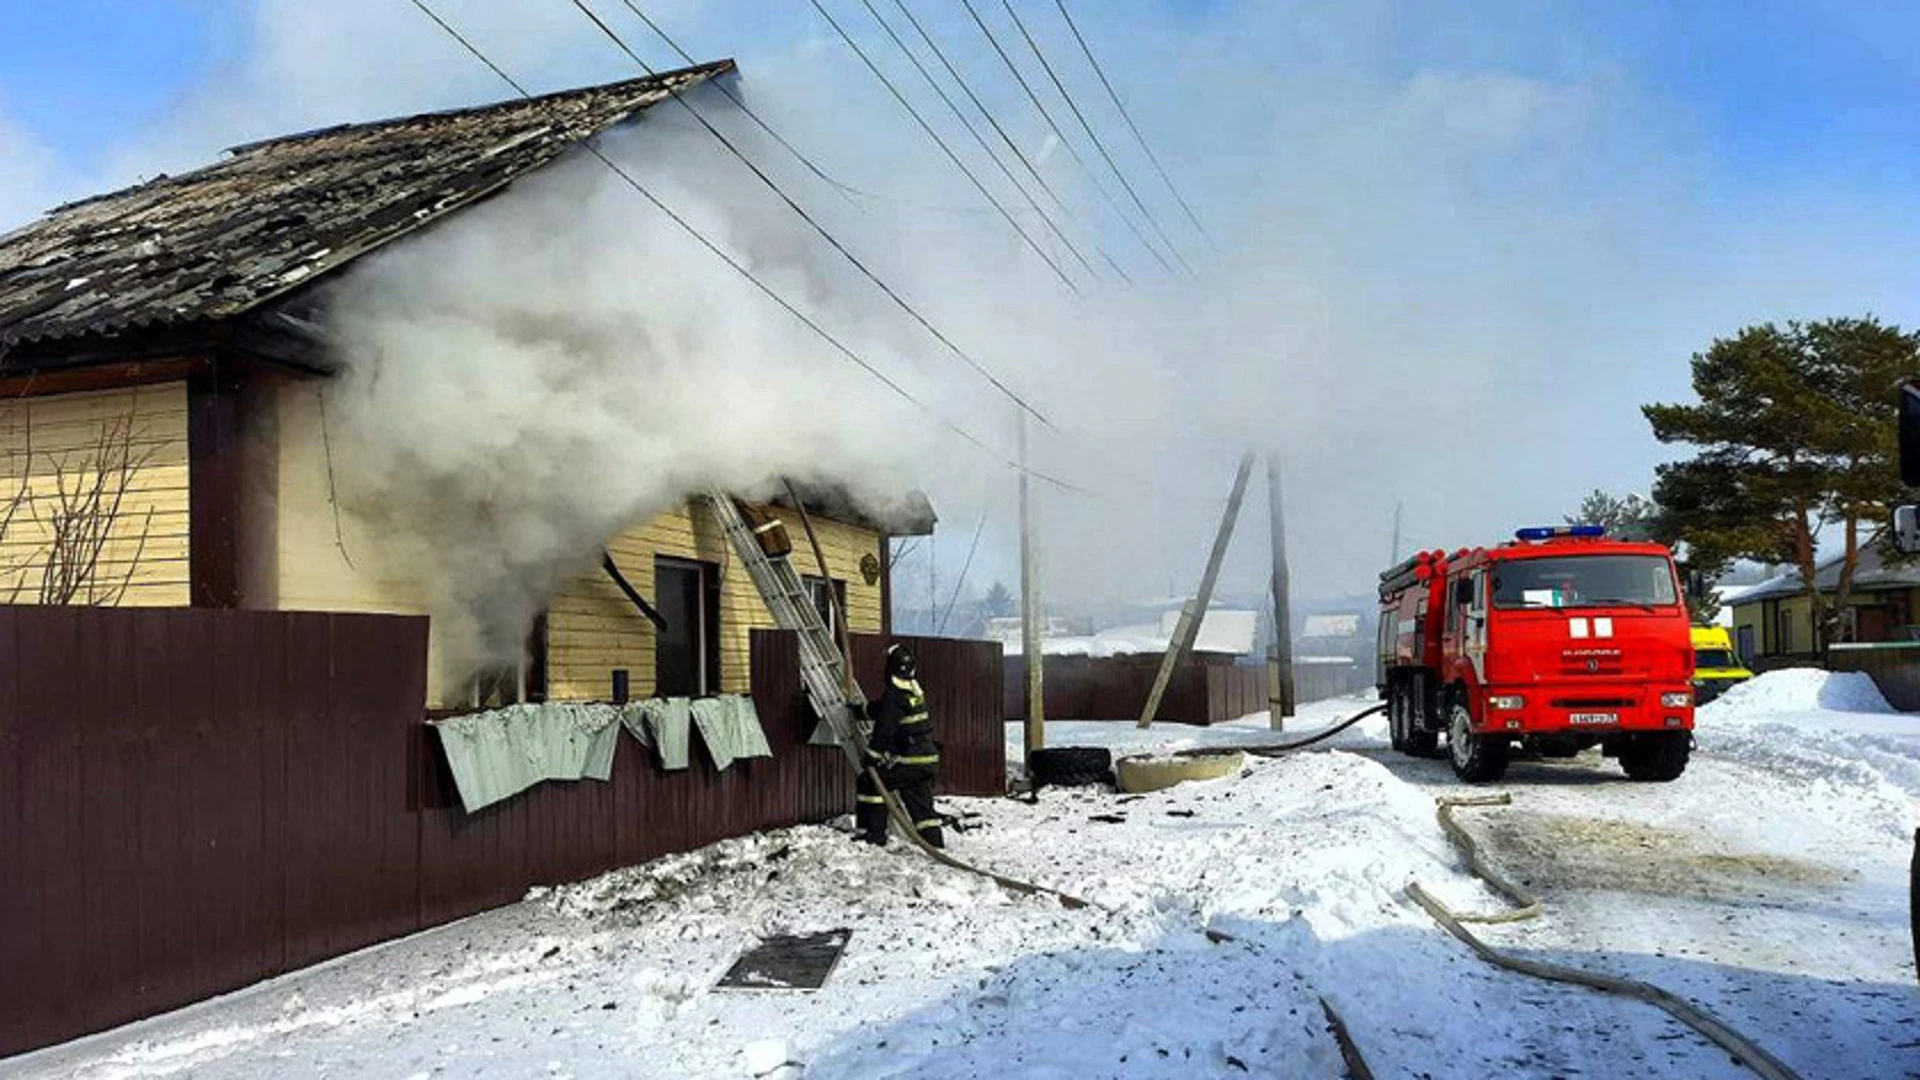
(562, 362)
(1458, 247)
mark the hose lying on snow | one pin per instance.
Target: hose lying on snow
(900, 818)
(1528, 905)
(1276, 749)
(899, 815)
(1349, 1050)
(1716, 1030)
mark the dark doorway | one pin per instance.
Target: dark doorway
(686, 655)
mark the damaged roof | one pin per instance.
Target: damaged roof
(906, 515)
(274, 216)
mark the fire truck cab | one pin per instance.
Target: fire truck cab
(1559, 640)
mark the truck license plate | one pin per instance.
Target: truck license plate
(1593, 718)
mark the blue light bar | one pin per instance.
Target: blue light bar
(1549, 532)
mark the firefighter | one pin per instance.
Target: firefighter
(901, 749)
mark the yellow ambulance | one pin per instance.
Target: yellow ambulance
(1715, 665)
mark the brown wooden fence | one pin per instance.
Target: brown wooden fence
(1203, 689)
(192, 800)
(1894, 666)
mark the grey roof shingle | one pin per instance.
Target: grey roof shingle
(277, 215)
(1870, 574)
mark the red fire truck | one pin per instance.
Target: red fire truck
(1560, 639)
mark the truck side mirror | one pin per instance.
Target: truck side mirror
(1910, 432)
(1463, 592)
(1906, 529)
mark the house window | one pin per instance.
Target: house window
(817, 589)
(507, 684)
(1744, 643)
(1785, 643)
(686, 654)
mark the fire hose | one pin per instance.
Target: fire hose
(1276, 749)
(1744, 1050)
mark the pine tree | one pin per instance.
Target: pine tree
(1794, 430)
(1629, 516)
(999, 602)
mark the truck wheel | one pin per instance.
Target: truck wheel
(1477, 759)
(1658, 756)
(1397, 716)
(1421, 743)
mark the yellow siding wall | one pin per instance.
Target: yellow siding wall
(321, 562)
(42, 437)
(1747, 617)
(1765, 618)
(593, 629)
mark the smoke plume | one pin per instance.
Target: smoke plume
(1453, 249)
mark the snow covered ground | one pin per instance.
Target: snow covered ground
(1768, 884)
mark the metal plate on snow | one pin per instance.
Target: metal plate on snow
(792, 962)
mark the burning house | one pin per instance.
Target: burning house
(166, 432)
(232, 596)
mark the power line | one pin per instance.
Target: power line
(1131, 126)
(833, 241)
(951, 156)
(1047, 115)
(964, 567)
(800, 316)
(984, 146)
(1066, 207)
(843, 187)
(1098, 144)
(803, 159)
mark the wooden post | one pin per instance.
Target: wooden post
(1195, 612)
(1280, 660)
(1032, 648)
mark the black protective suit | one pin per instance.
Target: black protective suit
(902, 750)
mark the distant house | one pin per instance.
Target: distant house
(1775, 618)
(1331, 627)
(1222, 635)
(165, 336)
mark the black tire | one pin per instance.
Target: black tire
(1423, 744)
(1071, 766)
(1398, 701)
(1657, 757)
(1476, 759)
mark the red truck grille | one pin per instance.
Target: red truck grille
(1594, 703)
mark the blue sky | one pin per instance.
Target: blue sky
(84, 75)
(1538, 207)
(1784, 93)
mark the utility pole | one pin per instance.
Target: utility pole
(1280, 660)
(1195, 611)
(1394, 559)
(1032, 649)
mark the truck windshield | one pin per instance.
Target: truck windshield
(1584, 581)
(1714, 658)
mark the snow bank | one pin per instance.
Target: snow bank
(1827, 728)
(1802, 690)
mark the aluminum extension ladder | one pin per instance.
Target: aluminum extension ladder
(823, 668)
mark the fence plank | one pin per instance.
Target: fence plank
(193, 799)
